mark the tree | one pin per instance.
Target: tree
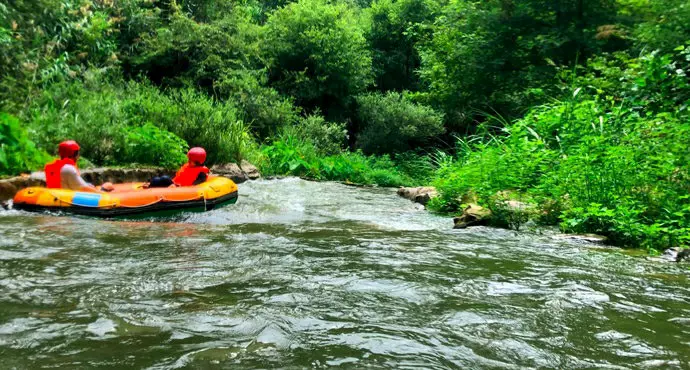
(397, 28)
(487, 55)
(318, 54)
(392, 123)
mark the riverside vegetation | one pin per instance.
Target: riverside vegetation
(578, 108)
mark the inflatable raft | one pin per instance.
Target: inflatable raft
(130, 199)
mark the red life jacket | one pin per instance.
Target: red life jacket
(188, 174)
(52, 170)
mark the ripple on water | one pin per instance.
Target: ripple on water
(300, 274)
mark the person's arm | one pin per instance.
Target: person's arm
(71, 180)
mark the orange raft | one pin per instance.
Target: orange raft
(130, 199)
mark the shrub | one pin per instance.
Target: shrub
(149, 144)
(71, 111)
(196, 118)
(100, 119)
(289, 155)
(317, 53)
(327, 138)
(260, 106)
(17, 152)
(391, 123)
(615, 165)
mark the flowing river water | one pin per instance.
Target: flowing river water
(301, 274)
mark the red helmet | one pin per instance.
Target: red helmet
(197, 155)
(68, 149)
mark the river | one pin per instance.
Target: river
(301, 274)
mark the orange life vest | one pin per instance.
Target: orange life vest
(52, 170)
(188, 174)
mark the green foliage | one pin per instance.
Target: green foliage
(198, 119)
(292, 156)
(182, 51)
(47, 40)
(260, 106)
(392, 123)
(397, 29)
(495, 53)
(327, 138)
(152, 145)
(664, 23)
(101, 118)
(17, 152)
(616, 165)
(318, 54)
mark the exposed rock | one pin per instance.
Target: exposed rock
(250, 170)
(683, 254)
(98, 176)
(421, 195)
(473, 215)
(583, 238)
(676, 254)
(9, 187)
(231, 171)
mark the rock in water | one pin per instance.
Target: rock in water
(231, 171)
(250, 170)
(421, 195)
(473, 215)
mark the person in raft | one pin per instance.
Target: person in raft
(63, 173)
(191, 173)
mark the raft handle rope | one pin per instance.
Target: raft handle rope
(114, 204)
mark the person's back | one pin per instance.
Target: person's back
(64, 174)
(193, 172)
(71, 179)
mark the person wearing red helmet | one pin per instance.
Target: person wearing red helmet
(63, 173)
(193, 172)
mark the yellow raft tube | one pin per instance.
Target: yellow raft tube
(130, 199)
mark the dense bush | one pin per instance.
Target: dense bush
(101, 118)
(615, 165)
(500, 55)
(196, 118)
(398, 28)
(17, 152)
(262, 107)
(391, 123)
(318, 54)
(150, 144)
(289, 155)
(328, 138)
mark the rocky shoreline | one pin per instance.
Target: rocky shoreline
(9, 187)
(476, 215)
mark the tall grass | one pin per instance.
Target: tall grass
(100, 114)
(292, 155)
